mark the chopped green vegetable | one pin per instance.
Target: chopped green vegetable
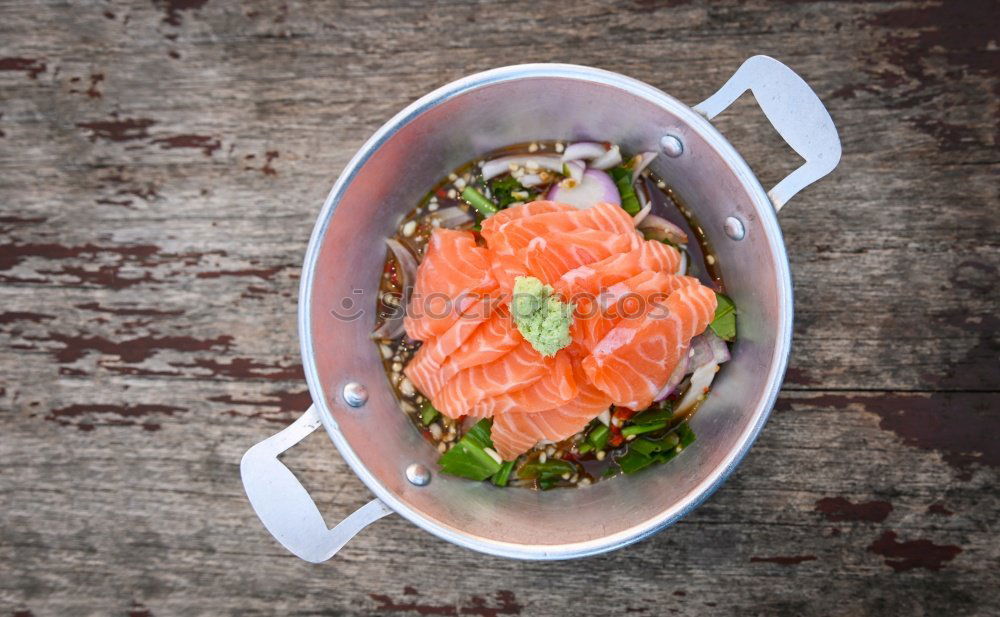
(644, 452)
(639, 429)
(610, 471)
(583, 448)
(632, 461)
(598, 437)
(479, 201)
(649, 447)
(501, 477)
(724, 322)
(428, 414)
(547, 473)
(663, 410)
(623, 180)
(503, 189)
(686, 434)
(468, 458)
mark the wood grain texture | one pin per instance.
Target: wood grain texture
(160, 167)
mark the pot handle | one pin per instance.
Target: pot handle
(283, 504)
(794, 111)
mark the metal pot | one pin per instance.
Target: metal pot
(351, 396)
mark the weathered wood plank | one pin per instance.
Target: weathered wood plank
(160, 167)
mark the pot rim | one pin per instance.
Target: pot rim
(768, 219)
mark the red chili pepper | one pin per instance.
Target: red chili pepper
(623, 413)
(616, 440)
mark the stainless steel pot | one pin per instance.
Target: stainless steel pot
(456, 123)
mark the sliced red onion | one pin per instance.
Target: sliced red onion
(451, 218)
(609, 159)
(675, 377)
(707, 352)
(708, 347)
(528, 180)
(661, 229)
(575, 169)
(496, 167)
(644, 160)
(638, 218)
(393, 326)
(645, 205)
(584, 150)
(701, 381)
(595, 187)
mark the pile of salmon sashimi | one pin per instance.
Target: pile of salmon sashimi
(612, 321)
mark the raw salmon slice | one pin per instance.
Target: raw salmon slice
(452, 277)
(590, 279)
(516, 234)
(491, 224)
(515, 370)
(633, 361)
(628, 299)
(552, 390)
(550, 256)
(516, 433)
(490, 340)
(424, 370)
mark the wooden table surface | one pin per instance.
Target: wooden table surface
(161, 165)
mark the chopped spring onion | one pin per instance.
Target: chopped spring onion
(662, 412)
(598, 437)
(639, 429)
(479, 201)
(644, 452)
(724, 322)
(623, 180)
(547, 473)
(501, 477)
(468, 458)
(428, 414)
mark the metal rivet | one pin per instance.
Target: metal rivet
(355, 394)
(418, 475)
(734, 228)
(671, 146)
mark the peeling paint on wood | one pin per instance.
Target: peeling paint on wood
(162, 163)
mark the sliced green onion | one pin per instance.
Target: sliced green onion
(501, 477)
(479, 201)
(468, 458)
(662, 411)
(649, 447)
(428, 414)
(552, 469)
(686, 434)
(639, 429)
(623, 180)
(598, 437)
(644, 452)
(632, 461)
(583, 448)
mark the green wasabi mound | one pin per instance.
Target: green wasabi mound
(540, 315)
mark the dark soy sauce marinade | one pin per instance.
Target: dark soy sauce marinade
(413, 233)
